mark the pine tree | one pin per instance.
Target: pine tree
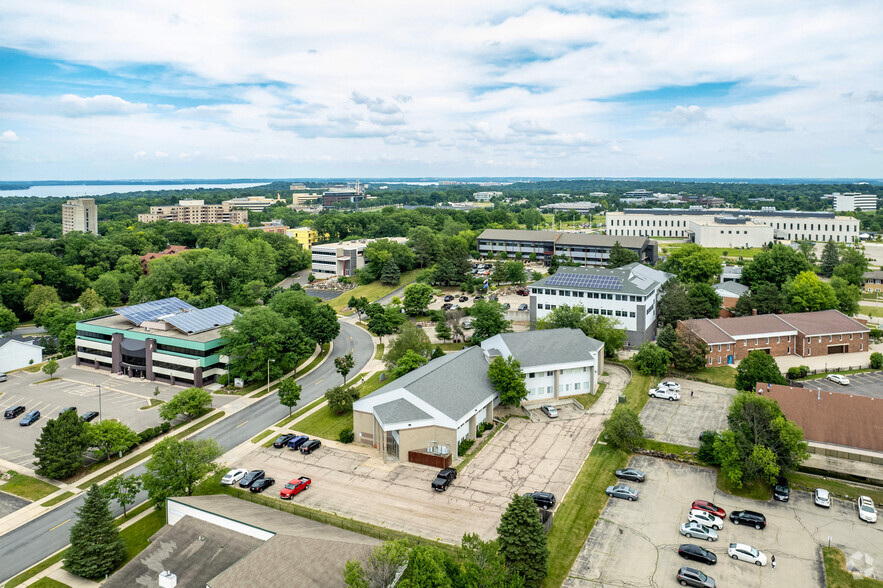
(390, 273)
(830, 259)
(744, 305)
(522, 540)
(667, 337)
(620, 256)
(96, 547)
(59, 450)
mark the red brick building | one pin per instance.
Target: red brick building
(805, 334)
(170, 250)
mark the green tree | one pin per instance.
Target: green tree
(667, 337)
(830, 259)
(123, 489)
(877, 360)
(437, 352)
(96, 548)
(514, 271)
(59, 449)
(409, 362)
(8, 320)
(848, 296)
(427, 568)
(379, 323)
(808, 251)
(107, 286)
(176, 466)
(767, 298)
(704, 301)
(693, 263)
(111, 436)
(689, 352)
(39, 297)
(522, 540)
(442, 330)
(744, 305)
(674, 304)
(507, 379)
(758, 366)
(806, 293)
(381, 567)
(484, 566)
(391, 274)
(190, 403)
(488, 319)
(775, 265)
(359, 304)
(50, 367)
(289, 393)
(603, 328)
(409, 338)
(620, 256)
(340, 399)
(90, 300)
(623, 430)
(344, 364)
(260, 334)
(652, 359)
(323, 327)
(417, 297)
(426, 245)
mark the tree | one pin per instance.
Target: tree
(50, 367)
(289, 393)
(623, 430)
(704, 301)
(176, 466)
(848, 295)
(107, 286)
(522, 540)
(484, 566)
(806, 293)
(877, 360)
(90, 300)
(123, 489)
(652, 359)
(507, 379)
(853, 264)
(381, 567)
(442, 330)
(437, 352)
(758, 366)
(59, 449)
(514, 272)
(603, 328)
(808, 251)
(391, 274)
(620, 256)
(693, 263)
(96, 548)
(744, 305)
(674, 304)
(689, 352)
(830, 259)
(111, 436)
(427, 568)
(378, 321)
(409, 362)
(488, 320)
(417, 297)
(775, 265)
(190, 403)
(8, 320)
(340, 399)
(667, 337)
(410, 338)
(358, 304)
(344, 364)
(39, 297)
(767, 298)
(426, 245)
(323, 327)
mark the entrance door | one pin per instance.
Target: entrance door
(729, 360)
(392, 444)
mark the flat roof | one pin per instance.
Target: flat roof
(732, 211)
(118, 323)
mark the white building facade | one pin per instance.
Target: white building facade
(15, 355)
(79, 215)
(728, 231)
(852, 201)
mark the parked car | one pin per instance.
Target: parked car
(295, 487)
(296, 442)
(747, 553)
(507, 306)
(710, 507)
(90, 416)
(544, 500)
(30, 418)
(866, 510)
(444, 479)
(446, 306)
(261, 484)
(664, 393)
(310, 446)
(669, 386)
(233, 476)
(691, 529)
(622, 491)
(13, 412)
(703, 517)
(782, 490)
(822, 498)
(838, 379)
(463, 299)
(478, 297)
(748, 517)
(523, 292)
(282, 440)
(523, 307)
(3, 377)
(448, 298)
(697, 553)
(693, 577)
(493, 299)
(633, 474)
(250, 477)
(466, 324)
(68, 409)
(550, 411)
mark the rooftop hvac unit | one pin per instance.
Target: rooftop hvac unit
(167, 579)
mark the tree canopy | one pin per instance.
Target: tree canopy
(96, 548)
(758, 366)
(507, 378)
(176, 466)
(603, 328)
(775, 265)
(488, 319)
(693, 263)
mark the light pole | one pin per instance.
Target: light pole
(99, 403)
(268, 373)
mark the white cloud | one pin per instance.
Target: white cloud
(8, 137)
(100, 105)
(160, 154)
(139, 155)
(682, 116)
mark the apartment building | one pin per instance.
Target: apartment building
(196, 212)
(170, 250)
(852, 201)
(584, 248)
(306, 236)
(486, 195)
(273, 226)
(873, 281)
(343, 258)
(79, 215)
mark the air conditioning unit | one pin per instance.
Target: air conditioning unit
(167, 579)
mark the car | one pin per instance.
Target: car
(709, 507)
(699, 531)
(523, 292)
(693, 577)
(283, 439)
(838, 379)
(89, 416)
(544, 500)
(664, 393)
(446, 306)
(669, 386)
(463, 299)
(3, 377)
(748, 517)
(310, 446)
(782, 490)
(822, 497)
(747, 553)
(13, 412)
(550, 411)
(455, 307)
(68, 409)
(250, 477)
(261, 484)
(633, 474)
(444, 479)
(233, 476)
(866, 510)
(478, 297)
(466, 324)
(448, 298)
(523, 307)
(493, 299)
(622, 491)
(30, 418)
(507, 306)
(697, 553)
(703, 517)
(295, 487)
(296, 442)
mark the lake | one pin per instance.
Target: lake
(86, 190)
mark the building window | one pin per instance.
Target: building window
(756, 341)
(532, 375)
(576, 386)
(778, 339)
(550, 373)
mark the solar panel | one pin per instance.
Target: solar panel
(197, 321)
(598, 282)
(151, 311)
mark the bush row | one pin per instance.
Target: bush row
(152, 432)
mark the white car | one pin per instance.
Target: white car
(747, 553)
(664, 393)
(233, 476)
(669, 386)
(838, 379)
(706, 518)
(822, 498)
(866, 510)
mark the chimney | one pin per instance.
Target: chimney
(167, 579)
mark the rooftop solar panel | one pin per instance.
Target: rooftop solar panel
(197, 321)
(151, 311)
(585, 281)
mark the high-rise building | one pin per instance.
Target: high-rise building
(852, 201)
(195, 212)
(79, 215)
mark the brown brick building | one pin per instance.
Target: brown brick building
(805, 334)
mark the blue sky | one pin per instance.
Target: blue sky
(696, 88)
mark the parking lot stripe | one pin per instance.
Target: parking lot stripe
(58, 525)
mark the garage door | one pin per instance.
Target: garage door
(832, 349)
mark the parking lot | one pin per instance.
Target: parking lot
(683, 420)
(635, 543)
(867, 384)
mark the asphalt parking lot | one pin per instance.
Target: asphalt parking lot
(683, 420)
(867, 384)
(9, 504)
(635, 543)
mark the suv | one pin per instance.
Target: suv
(666, 393)
(782, 490)
(544, 500)
(693, 577)
(296, 442)
(13, 412)
(444, 479)
(30, 418)
(310, 446)
(748, 517)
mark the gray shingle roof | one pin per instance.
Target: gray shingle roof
(550, 346)
(730, 289)
(399, 411)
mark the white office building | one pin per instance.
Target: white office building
(852, 201)
(343, 258)
(79, 215)
(729, 231)
(486, 195)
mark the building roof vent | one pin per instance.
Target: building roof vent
(167, 579)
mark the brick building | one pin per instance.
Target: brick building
(170, 250)
(804, 334)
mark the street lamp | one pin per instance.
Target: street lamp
(268, 373)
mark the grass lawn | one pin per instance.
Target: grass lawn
(838, 488)
(841, 372)
(447, 347)
(28, 487)
(61, 497)
(307, 408)
(679, 450)
(723, 375)
(579, 510)
(373, 291)
(870, 310)
(267, 433)
(753, 490)
(48, 582)
(636, 390)
(836, 575)
(326, 425)
(378, 354)
(137, 534)
(587, 400)
(153, 402)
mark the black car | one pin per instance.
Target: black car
(68, 409)
(261, 484)
(283, 440)
(448, 298)
(89, 416)
(444, 479)
(782, 490)
(696, 553)
(544, 500)
(310, 446)
(13, 412)
(250, 477)
(447, 306)
(693, 577)
(632, 474)
(479, 297)
(748, 517)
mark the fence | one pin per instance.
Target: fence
(430, 459)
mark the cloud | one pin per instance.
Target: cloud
(376, 105)
(139, 155)
(8, 137)
(759, 124)
(682, 116)
(100, 105)
(529, 127)
(160, 154)
(874, 96)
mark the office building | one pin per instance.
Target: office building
(580, 207)
(853, 201)
(306, 236)
(273, 226)
(256, 203)
(195, 212)
(79, 215)
(729, 231)
(485, 196)
(584, 248)
(343, 258)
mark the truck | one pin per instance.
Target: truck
(444, 479)
(295, 487)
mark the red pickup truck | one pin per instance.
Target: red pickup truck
(295, 486)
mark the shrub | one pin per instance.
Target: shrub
(152, 432)
(341, 398)
(222, 380)
(795, 373)
(876, 335)
(482, 427)
(877, 360)
(346, 436)
(706, 448)
(464, 446)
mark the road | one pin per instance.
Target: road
(27, 545)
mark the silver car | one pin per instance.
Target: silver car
(622, 491)
(698, 531)
(550, 411)
(822, 498)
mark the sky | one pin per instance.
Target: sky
(625, 88)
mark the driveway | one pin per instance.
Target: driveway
(869, 384)
(682, 421)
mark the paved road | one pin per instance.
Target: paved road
(29, 544)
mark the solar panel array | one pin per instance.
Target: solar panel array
(585, 281)
(151, 311)
(197, 321)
